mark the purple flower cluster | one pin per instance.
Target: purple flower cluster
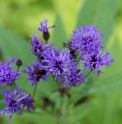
(83, 50)
(87, 41)
(85, 46)
(16, 101)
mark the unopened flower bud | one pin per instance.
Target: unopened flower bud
(18, 62)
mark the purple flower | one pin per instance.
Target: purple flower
(37, 46)
(35, 73)
(16, 101)
(7, 74)
(95, 61)
(86, 39)
(57, 61)
(43, 26)
(73, 77)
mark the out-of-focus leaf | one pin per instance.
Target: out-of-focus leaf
(59, 34)
(13, 45)
(79, 112)
(110, 84)
(46, 88)
(115, 51)
(81, 91)
(100, 13)
(28, 118)
(105, 111)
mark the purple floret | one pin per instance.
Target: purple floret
(43, 26)
(95, 61)
(16, 101)
(7, 74)
(35, 73)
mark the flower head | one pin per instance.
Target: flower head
(95, 61)
(35, 73)
(86, 39)
(7, 73)
(73, 77)
(16, 101)
(57, 61)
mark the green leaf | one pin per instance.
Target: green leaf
(29, 118)
(100, 13)
(81, 91)
(79, 112)
(59, 34)
(13, 45)
(106, 110)
(47, 88)
(109, 84)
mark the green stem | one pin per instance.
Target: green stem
(88, 74)
(17, 68)
(34, 91)
(12, 87)
(14, 83)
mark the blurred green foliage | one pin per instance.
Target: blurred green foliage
(16, 14)
(99, 100)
